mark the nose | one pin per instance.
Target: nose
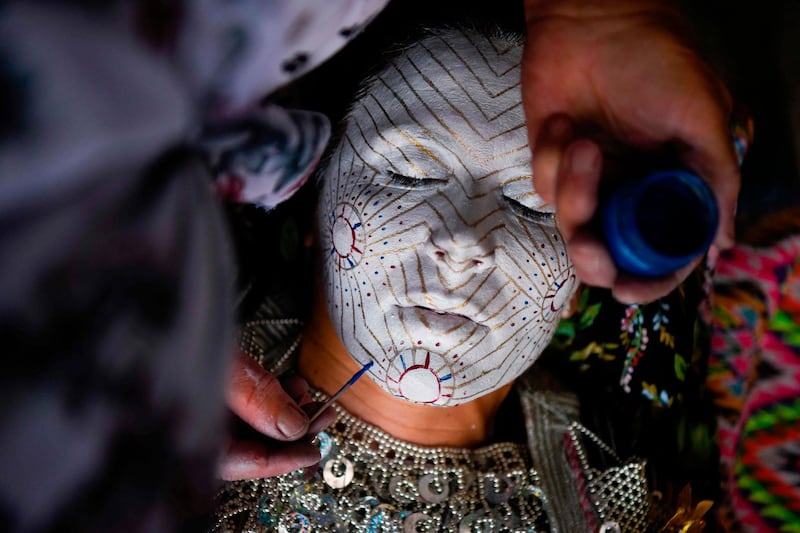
(461, 248)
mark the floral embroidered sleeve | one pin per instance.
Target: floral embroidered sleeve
(641, 350)
(639, 371)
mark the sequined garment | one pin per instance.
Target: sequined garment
(370, 481)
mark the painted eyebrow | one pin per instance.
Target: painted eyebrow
(416, 153)
(515, 179)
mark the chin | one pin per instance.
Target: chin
(426, 376)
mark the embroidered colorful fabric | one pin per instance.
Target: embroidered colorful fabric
(640, 372)
(754, 373)
(643, 350)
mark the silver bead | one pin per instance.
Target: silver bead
(402, 490)
(485, 523)
(432, 489)
(498, 487)
(410, 523)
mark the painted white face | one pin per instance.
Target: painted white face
(443, 266)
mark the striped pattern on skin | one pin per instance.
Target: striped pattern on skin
(443, 266)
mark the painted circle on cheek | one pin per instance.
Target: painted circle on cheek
(346, 236)
(419, 384)
(421, 376)
(558, 294)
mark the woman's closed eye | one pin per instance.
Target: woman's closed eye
(407, 182)
(532, 215)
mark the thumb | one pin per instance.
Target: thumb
(256, 396)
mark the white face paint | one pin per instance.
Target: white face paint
(443, 266)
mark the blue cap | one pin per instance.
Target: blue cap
(657, 225)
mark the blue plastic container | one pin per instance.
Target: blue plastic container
(661, 223)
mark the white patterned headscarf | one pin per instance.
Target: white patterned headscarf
(238, 52)
(116, 276)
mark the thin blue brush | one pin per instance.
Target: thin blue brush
(339, 392)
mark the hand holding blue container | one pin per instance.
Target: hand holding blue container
(657, 225)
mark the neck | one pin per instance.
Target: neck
(325, 363)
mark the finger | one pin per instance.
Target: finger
(711, 154)
(548, 149)
(325, 419)
(577, 186)
(725, 181)
(593, 264)
(254, 460)
(297, 389)
(257, 397)
(632, 290)
(712, 256)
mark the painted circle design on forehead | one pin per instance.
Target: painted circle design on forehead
(460, 274)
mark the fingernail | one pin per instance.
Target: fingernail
(292, 422)
(583, 158)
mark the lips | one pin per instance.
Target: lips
(436, 320)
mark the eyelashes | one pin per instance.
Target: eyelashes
(407, 182)
(522, 211)
(538, 217)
